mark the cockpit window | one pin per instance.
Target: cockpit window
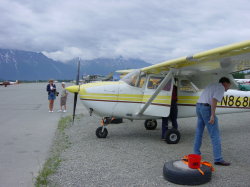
(132, 78)
(188, 86)
(142, 80)
(154, 82)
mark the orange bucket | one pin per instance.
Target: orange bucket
(194, 161)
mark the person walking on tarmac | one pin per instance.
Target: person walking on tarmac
(205, 110)
(173, 113)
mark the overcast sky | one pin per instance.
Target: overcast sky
(152, 30)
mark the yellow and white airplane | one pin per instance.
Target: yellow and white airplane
(145, 94)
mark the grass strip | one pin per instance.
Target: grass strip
(60, 143)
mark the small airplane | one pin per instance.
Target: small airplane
(95, 78)
(243, 84)
(145, 94)
(6, 83)
(243, 81)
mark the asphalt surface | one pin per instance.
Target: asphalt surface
(133, 156)
(26, 132)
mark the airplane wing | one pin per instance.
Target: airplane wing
(231, 58)
(126, 71)
(209, 64)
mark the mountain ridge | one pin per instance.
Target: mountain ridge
(28, 65)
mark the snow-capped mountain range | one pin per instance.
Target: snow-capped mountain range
(27, 65)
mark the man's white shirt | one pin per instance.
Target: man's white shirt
(215, 90)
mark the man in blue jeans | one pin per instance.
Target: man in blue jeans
(205, 110)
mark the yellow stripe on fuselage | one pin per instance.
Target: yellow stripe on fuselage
(125, 97)
(187, 99)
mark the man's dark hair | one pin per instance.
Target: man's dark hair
(224, 79)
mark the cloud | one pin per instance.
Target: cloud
(68, 53)
(151, 30)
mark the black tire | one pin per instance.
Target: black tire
(150, 124)
(179, 173)
(101, 134)
(172, 136)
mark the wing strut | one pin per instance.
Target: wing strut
(157, 91)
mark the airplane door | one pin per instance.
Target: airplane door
(160, 106)
(130, 95)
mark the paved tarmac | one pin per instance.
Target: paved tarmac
(26, 132)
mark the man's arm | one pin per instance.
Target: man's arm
(213, 108)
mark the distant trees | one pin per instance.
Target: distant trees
(239, 75)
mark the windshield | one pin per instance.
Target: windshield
(131, 78)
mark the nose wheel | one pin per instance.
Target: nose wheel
(102, 132)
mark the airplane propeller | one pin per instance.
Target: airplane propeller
(76, 93)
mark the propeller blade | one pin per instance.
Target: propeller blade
(74, 109)
(78, 73)
(76, 93)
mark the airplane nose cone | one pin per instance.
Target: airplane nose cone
(73, 89)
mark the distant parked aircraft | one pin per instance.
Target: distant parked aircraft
(244, 84)
(94, 78)
(242, 81)
(6, 83)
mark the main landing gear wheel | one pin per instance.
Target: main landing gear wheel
(150, 124)
(179, 173)
(101, 132)
(172, 136)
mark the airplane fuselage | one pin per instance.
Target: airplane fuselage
(119, 99)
